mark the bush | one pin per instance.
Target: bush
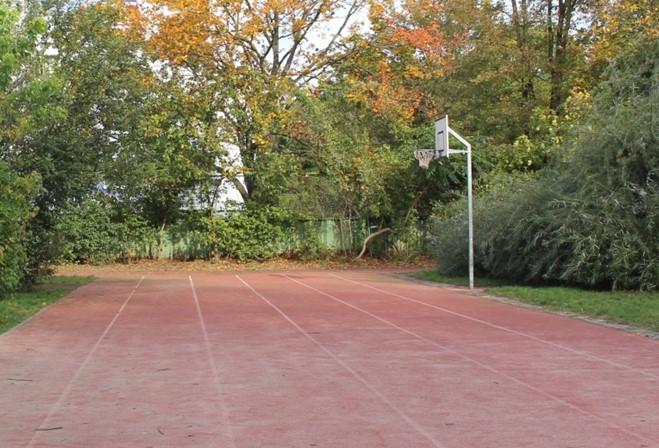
(88, 233)
(16, 209)
(592, 219)
(250, 234)
(92, 232)
(407, 239)
(135, 236)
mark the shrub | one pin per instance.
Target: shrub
(250, 234)
(16, 209)
(135, 236)
(88, 233)
(407, 239)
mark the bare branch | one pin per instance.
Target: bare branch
(322, 55)
(298, 38)
(354, 7)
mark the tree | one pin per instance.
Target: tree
(150, 143)
(256, 54)
(26, 108)
(177, 159)
(24, 90)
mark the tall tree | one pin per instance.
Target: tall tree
(548, 25)
(522, 23)
(620, 26)
(28, 105)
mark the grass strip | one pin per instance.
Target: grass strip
(458, 281)
(640, 309)
(18, 306)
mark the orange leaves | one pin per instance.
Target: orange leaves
(416, 30)
(385, 92)
(389, 96)
(428, 40)
(408, 49)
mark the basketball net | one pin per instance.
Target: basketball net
(424, 156)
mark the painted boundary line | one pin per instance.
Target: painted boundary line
(482, 365)
(69, 386)
(502, 328)
(213, 366)
(349, 369)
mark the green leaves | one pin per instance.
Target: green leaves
(590, 219)
(17, 194)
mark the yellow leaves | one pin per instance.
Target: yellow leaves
(298, 25)
(255, 24)
(177, 30)
(621, 23)
(183, 36)
(376, 11)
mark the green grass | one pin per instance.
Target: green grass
(19, 306)
(640, 309)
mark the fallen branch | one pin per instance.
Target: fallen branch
(369, 238)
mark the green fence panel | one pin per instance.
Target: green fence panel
(328, 236)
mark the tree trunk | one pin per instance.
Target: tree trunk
(558, 54)
(550, 30)
(244, 192)
(521, 23)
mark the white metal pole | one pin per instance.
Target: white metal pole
(470, 215)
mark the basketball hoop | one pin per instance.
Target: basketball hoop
(424, 156)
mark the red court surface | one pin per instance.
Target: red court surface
(318, 359)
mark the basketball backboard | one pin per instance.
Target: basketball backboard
(441, 136)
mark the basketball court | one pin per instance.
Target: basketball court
(318, 359)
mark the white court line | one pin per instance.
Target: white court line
(69, 386)
(502, 328)
(359, 377)
(480, 364)
(214, 369)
